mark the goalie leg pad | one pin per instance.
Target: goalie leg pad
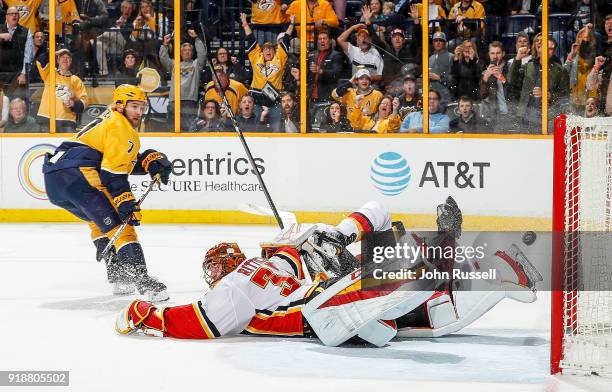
(378, 332)
(342, 310)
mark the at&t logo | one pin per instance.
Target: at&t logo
(390, 173)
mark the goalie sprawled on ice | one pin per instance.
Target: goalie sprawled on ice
(308, 285)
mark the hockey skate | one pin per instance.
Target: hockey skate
(121, 284)
(152, 289)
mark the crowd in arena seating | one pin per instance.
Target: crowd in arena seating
(364, 63)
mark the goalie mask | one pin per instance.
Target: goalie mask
(220, 260)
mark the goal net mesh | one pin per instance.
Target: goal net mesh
(587, 339)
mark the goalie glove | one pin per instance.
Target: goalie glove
(325, 252)
(154, 163)
(141, 316)
(449, 218)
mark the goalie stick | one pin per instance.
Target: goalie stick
(111, 243)
(279, 221)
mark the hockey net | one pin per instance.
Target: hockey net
(582, 267)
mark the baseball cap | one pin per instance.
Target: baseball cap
(63, 51)
(268, 44)
(362, 72)
(410, 77)
(439, 35)
(397, 30)
(363, 31)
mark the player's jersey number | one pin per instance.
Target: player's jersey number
(264, 275)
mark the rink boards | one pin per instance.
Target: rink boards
(500, 182)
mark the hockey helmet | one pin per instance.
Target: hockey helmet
(127, 92)
(220, 260)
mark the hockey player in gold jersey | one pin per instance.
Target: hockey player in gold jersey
(88, 176)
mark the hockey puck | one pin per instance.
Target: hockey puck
(529, 237)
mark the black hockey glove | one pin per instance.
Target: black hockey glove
(128, 208)
(155, 162)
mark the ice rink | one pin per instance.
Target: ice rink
(58, 314)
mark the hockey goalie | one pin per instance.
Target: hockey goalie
(307, 284)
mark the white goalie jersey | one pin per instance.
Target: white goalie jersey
(262, 297)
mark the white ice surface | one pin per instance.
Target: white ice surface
(57, 314)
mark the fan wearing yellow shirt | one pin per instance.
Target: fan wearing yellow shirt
(88, 176)
(69, 90)
(268, 61)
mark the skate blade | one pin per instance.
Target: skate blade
(123, 289)
(157, 296)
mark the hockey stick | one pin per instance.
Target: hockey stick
(111, 243)
(279, 221)
(287, 217)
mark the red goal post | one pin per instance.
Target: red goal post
(581, 314)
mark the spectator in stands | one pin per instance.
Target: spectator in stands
(440, 65)
(362, 86)
(410, 100)
(128, 70)
(599, 77)
(267, 61)
(374, 13)
(92, 19)
(289, 121)
(591, 108)
(493, 91)
(398, 52)
(148, 29)
(438, 122)
(523, 7)
(324, 66)
(436, 12)
(66, 17)
(390, 17)
(467, 9)
(466, 70)
(4, 110)
(16, 51)
(113, 42)
(190, 76)
(291, 79)
(267, 17)
(69, 90)
(40, 47)
(364, 54)
(530, 104)
(232, 89)
(247, 119)
(209, 119)
(231, 66)
(28, 12)
(516, 67)
(320, 13)
(335, 119)
(386, 120)
(464, 119)
(579, 63)
(19, 121)
(599, 80)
